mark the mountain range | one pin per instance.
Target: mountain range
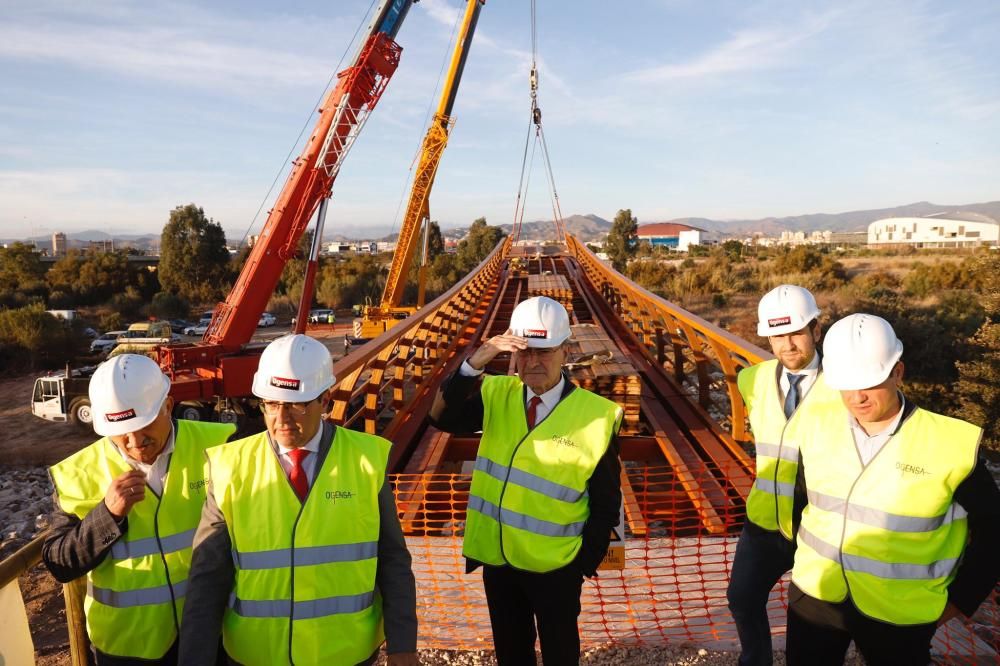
(593, 227)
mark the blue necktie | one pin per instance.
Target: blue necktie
(792, 397)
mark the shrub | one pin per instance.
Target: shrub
(169, 306)
(30, 338)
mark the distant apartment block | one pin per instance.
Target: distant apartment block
(969, 231)
(58, 244)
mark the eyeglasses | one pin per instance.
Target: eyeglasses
(296, 408)
(541, 353)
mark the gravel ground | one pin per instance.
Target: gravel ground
(25, 504)
(669, 655)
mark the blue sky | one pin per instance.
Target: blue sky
(114, 112)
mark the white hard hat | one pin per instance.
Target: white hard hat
(785, 309)
(293, 368)
(126, 393)
(859, 352)
(543, 321)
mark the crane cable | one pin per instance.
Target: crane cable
(307, 123)
(396, 221)
(539, 133)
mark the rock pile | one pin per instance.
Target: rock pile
(25, 504)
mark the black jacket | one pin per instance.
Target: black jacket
(464, 414)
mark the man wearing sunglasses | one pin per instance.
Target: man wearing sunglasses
(545, 491)
(299, 557)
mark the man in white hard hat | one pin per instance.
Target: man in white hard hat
(902, 529)
(126, 510)
(299, 557)
(545, 491)
(779, 395)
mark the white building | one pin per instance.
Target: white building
(953, 230)
(685, 239)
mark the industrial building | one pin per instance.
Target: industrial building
(951, 230)
(668, 234)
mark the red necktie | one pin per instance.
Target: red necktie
(533, 411)
(297, 477)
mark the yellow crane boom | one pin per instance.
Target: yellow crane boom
(378, 319)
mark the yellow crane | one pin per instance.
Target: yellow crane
(377, 319)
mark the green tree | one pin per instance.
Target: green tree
(622, 240)
(356, 280)
(435, 242)
(22, 275)
(89, 279)
(194, 261)
(31, 338)
(477, 244)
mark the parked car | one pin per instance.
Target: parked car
(105, 342)
(197, 329)
(178, 325)
(320, 316)
(267, 319)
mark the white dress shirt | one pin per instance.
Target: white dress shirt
(308, 463)
(869, 445)
(549, 399)
(156, 472)
(808, 373)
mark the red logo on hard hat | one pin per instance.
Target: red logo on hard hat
(120, 416)
(283, 383)
(779, 321)
(535, 333)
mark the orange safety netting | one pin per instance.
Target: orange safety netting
(679, 544)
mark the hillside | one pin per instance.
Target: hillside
(593, 227)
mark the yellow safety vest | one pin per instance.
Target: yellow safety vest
(888, 534)
(304, 589)
(135, 597)
(772, 497)
(528, 501)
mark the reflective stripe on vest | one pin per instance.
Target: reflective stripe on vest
(302, 610)
(144, 597)
(521, 521)
(897, 570)
(772, 488)
(887, 534)
(770, 503)
(304, 590)
(135, 595)
(528, 501)
(528, 480)
(308, 556)
(884, 519)
(126, 550)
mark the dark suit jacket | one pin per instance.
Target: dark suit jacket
(211, 578)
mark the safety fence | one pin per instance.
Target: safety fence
(672, 588)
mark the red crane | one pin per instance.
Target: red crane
(218, 370)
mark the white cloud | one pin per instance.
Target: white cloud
(757, 48)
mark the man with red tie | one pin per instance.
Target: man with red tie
(546, 486)
(299, 557)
